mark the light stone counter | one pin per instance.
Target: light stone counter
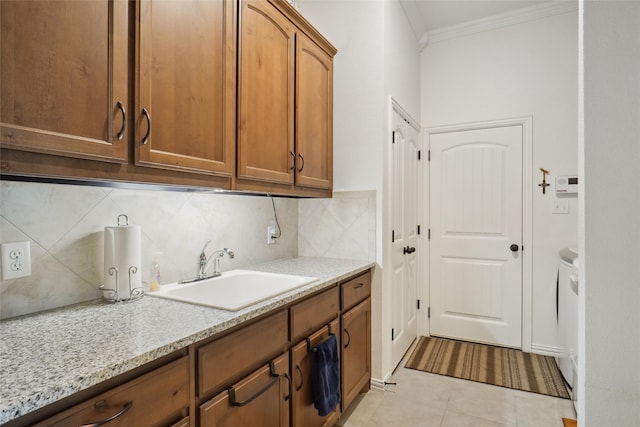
(51, 355)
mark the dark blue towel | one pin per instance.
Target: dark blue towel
(326, 376)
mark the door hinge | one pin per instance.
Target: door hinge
(418, 229)
(393, 236)
(429, 155)
(429, 234)
(418, 304)
(392, 337)
(393, 137)
(419, 154)
(428, 312)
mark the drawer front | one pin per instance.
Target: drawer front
(226, 359)
(356, 290)
(160, 397)
(309, 315)
(260, 399)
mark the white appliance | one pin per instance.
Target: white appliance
(568, 315)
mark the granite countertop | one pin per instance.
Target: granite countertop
(51, 355)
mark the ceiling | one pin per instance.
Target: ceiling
(429, 15)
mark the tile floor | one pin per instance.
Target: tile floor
(426, 400)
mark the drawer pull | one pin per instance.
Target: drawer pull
(232, 393)
(275, 377)
(358, 286)
(348, 336)
(124, 409)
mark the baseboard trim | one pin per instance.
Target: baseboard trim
(378, 384)
(546, 350)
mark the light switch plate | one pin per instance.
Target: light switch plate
(16, 260)
(561, 206)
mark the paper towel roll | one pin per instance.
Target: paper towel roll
(122, 250)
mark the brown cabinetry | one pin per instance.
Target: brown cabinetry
(261, 399)
(159, 398)
(356, 338)
(63, 84)
(185, 85)
(303, 411)
(74, 106)
(285, 95)
(226, 359)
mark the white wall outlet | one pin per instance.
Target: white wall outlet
(271, 232)
(16, 260)
(561, 206)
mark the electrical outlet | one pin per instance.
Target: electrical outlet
(271, 232)
(561, 206)
(16, 260)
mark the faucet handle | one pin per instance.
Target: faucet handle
(202, 254)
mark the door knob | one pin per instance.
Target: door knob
(514, 247)
(408, 250)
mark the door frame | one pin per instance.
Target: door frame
(527, 211)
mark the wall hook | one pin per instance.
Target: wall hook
(544, 184)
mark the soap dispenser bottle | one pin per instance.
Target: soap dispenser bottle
(154, 281)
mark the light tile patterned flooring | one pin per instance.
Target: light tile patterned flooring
(430, 400)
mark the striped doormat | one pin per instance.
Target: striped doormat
(499, 366)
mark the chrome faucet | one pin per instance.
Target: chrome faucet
(203, 262)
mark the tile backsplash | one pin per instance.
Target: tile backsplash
(65, 226)
(341, 227)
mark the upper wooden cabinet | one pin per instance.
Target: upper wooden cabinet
(185, 81)
(285, 95)
(230, 94)
(63, 78)
(314, 115)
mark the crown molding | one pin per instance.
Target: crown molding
(519, 16)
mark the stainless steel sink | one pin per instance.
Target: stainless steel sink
(233, 290)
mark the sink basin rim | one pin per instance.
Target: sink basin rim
(219, 292)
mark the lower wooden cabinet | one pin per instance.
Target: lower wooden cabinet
(303, 412)
(159, 398)
(261, 399)
(356, 351)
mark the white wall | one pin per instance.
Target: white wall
(609, 386)
(527, 69)
(377, 58)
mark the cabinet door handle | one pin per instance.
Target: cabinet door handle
(286, 375)
(267, 386)
(124, 409)
(120, 133)
(293, 161)
(348, 336)
(301, 162)
(298, 387)
(145, 138)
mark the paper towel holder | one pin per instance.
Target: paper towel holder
(126, 219)
(112, 295)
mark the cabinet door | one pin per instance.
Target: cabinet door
(266, 94)
(63, 78)
(302, 410)
(185, 79)
(259, 400)
(314, 115)
(356, 351)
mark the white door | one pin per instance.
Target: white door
(476, 235)
(404, 222)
